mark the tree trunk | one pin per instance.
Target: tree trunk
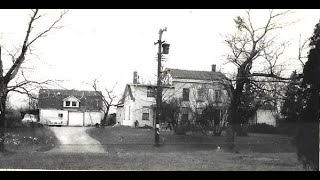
(105, 117)
(234, 117)
(3, 98)
(308, 131)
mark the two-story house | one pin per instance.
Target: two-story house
(137, 103)
(195, 89)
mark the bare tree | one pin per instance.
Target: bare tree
(252, 46)
(109, 99)
(18, 59)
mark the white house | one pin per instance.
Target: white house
(75, 108)
(194, 88)
(137, 104)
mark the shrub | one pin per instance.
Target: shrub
(288, 127)
(181, 130)
(263, 128)
(146, 127)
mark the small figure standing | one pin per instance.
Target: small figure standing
(136, 124)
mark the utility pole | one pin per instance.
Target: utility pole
(159, 90)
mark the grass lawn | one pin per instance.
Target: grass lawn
(27, 139)
(127, 139)
(132, 149)
(172, 161)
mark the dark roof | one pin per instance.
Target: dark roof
(198, 75)
(52, 98)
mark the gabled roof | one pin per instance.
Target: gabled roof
(197, 75)
(130, 87)
(71, 98)
(53, 98)
(127, 90)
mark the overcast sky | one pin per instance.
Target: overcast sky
(111, 44)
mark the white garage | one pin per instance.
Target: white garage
(75, 119)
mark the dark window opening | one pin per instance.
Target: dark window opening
(201, 95)
(67, 103)
(151, 92)
(185, 94)
(218, 95)
(74, 103)
(145, 114)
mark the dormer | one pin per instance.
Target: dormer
(71, 101)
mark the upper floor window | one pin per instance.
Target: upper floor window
(217, 95)
(74, 104)
(71, 104)
(185, 94)
(67, 103)
(151, 92)
(71, 101)
(201, 94)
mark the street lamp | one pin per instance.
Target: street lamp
(165, 47)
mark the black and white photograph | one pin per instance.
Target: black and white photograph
(159, 89)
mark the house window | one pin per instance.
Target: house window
(74, 104)
(185, 94)
(71, 104)
(60, 115)
(145, 113)
(129, 113)
(201, 94)
(151, 92)
(185, 114)
(218, 95)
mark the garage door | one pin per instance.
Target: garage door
(75, 119)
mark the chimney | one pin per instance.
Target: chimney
(135, 77)
(213, 68)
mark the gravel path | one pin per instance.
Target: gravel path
(75, 140)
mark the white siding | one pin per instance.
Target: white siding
(91, 118)
(120, 115)
(266, 116)
(47, 114)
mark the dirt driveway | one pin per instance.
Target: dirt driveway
(75, 140)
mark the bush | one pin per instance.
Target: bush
(181, 130)
(263, 128)
(146, 127)
(287, 127)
